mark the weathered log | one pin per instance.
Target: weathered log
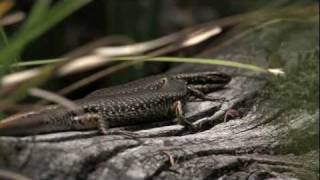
(267, 140)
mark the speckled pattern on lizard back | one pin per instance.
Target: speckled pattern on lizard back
(150, 99)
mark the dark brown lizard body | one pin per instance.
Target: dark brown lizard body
(202, 81)
(149, 99)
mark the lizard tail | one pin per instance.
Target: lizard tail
(22, 124)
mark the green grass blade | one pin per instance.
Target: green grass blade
(221, 62)
(3, 43)
(56, 14)
(38, 11)
(37, 62)
(3, 38)
(61, 10)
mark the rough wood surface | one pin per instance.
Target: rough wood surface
(252, 146)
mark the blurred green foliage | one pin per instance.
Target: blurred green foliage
(40, 20)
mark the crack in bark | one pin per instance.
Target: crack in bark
(90, 164)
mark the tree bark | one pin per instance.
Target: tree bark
(256, 139)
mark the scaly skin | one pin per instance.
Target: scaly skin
(203, 81)
(150, 99)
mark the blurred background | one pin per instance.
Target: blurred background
(71, 28)
(137, 20)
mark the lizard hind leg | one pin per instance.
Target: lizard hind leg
(94, 120)
(97, 121)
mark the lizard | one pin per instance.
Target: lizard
(148, 99)
(198, 83)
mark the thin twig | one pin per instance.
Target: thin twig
(96, 76)
(13, 18)
(167, 49)
(104, 41)
(170, 157)
(49, 96)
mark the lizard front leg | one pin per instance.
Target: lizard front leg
(178, 110)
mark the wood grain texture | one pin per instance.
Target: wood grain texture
(252, 146)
